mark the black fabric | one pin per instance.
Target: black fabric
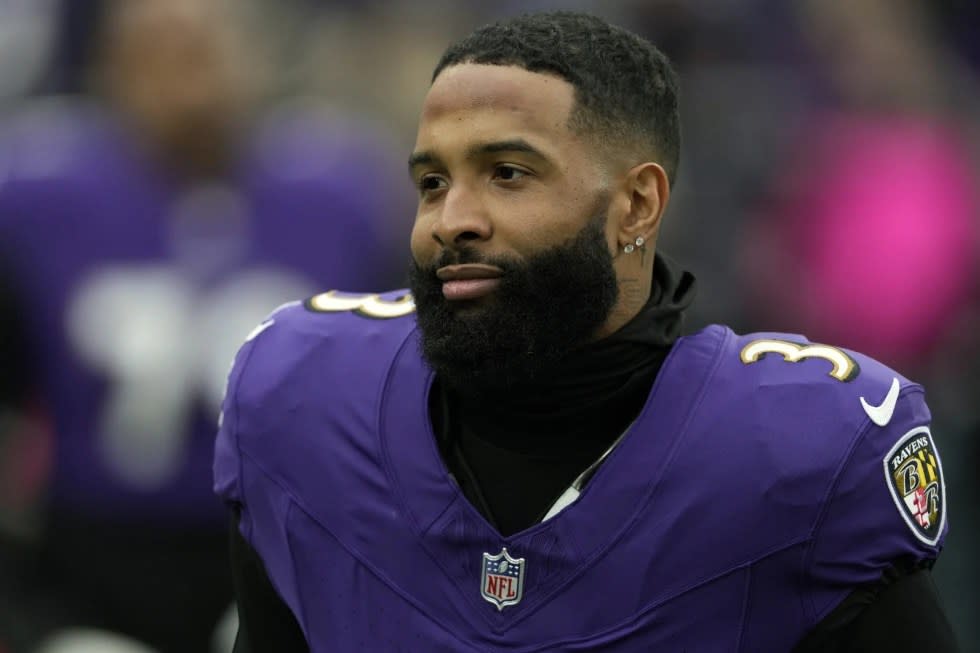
(901, 612)
(265, 621)
(545, 434)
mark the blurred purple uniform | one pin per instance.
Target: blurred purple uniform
(763, 481)
(137, 291)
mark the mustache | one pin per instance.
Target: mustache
(464, 255)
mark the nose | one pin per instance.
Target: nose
(463, 219)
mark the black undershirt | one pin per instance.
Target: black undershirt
(546, 435)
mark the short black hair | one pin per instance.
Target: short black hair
(625, 88)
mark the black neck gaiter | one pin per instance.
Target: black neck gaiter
(547, 432)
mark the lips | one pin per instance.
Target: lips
(469, 281)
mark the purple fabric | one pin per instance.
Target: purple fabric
(745, 502)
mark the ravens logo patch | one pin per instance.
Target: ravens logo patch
(914, 476)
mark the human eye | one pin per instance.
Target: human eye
(430, 183)
(507, 172)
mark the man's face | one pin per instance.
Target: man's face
(512, 243)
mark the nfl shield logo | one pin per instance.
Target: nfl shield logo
(502, 580)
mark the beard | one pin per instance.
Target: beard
(543, 308)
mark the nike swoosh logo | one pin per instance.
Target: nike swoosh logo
(882, 414)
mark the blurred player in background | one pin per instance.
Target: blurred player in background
(142, 234)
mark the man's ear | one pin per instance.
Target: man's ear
(648, 191)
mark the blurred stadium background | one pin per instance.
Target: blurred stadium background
(170, 170)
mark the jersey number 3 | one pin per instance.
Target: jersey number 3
(844, 367)
(372, 306)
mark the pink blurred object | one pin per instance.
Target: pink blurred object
(879, 232)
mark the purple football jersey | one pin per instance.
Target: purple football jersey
(137, 290)
(765, 479)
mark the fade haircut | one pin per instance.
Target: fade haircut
(625, 88)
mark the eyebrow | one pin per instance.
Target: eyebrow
(426, 157)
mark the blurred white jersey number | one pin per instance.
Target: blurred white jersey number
(165, 347)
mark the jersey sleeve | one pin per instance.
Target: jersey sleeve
(244, 392)
(886, 506)
(248, 416)
(227, 456)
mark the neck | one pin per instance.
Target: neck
(635, 285)
(588, 399)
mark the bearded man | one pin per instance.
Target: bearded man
(522, 453)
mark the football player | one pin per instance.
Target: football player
(522, 453)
